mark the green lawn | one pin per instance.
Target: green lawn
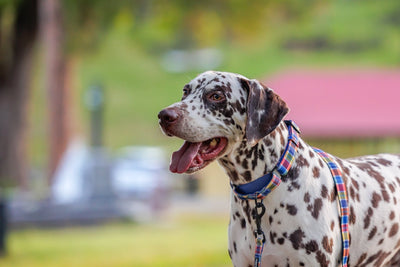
(189, 242)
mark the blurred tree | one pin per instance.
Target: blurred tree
(87, 21)
(170, 24)
(18, 31)
(52, 33)
(19, 25)
(166, 24)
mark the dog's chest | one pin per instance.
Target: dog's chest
(301, 222)
(295, 215)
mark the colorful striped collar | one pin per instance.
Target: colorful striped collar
(344, 210)
(261, 187)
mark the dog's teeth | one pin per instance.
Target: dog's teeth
(213, 143)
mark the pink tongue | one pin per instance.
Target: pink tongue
(183, 158)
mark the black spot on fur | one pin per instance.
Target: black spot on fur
(291, 209)
(367, 218)
(315, 208)
(272, 237)
(247, 176)
(243, 223)
(372, 233)
(297, 238)
(311, 246)
(324, 192)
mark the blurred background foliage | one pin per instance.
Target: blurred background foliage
(121, 44)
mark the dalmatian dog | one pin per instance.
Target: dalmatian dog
(239, 123)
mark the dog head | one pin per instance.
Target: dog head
(217, 110)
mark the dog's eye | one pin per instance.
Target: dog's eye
(216, 97)
(185, 92)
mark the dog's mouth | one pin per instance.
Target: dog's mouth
(192, 157)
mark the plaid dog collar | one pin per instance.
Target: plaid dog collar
(258, 189)
(261, 187)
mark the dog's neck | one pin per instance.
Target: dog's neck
(246, 163)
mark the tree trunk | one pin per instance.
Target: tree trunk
(14, 84)
(15, 69)
(52, 34)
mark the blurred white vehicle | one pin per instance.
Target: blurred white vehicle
(140, 172)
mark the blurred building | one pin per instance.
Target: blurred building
(349, 107)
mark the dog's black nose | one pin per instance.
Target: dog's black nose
(169, 116)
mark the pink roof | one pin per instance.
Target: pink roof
(341, 103)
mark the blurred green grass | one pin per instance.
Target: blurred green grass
(191, 241)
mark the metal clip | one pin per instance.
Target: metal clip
(259, 211)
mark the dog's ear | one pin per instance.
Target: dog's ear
(265, 110)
